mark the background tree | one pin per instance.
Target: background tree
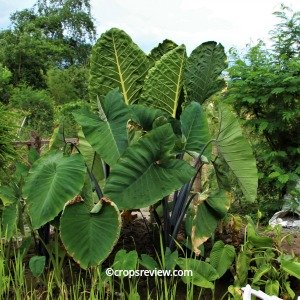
(52, 33)
(68, 85)
(28, 55)
(44, 61)
(37, 107)
(286, 34)
(7, 134)
(264, 89)
(5, 84)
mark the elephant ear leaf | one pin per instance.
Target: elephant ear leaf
(53, 180)
(222, 257)
(205, 217)
(145, 116)
(162, 48)
(203, 70)
(194, 127)
(106, 131)
(117, 62)
(203, 273)
(237, 152)
(164, 82)
(92, 159)
(90, 237)
(145, 173)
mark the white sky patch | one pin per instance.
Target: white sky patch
(190, 22)
(7, 7)
(230, 22)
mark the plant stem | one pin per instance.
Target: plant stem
(166, 219)
(176, 228)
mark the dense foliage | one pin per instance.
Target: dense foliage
(134, 152)
(7, 129)
(44, 60)
(68, 85)
(150, 134)
(264, 89)
(52, 33)
(36, 106)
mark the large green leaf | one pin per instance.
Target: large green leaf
(164, 82)
(91, 158)
(256, 239)
(117, 62)
(144, 115)
(148, 262)
(53, 180)
(37, 265)
(57, 139)
(219, 201)
(203, 70)
(205, 217)
(203, 273)
(194, 127)
(170, 259)
(90, 237)
(204, 225)
(162, 48)
(144, 174)
(106, 132)
(222, 257)
(237, 152)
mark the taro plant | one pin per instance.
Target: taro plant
(205, 273)
(145, 142)
(264, 265)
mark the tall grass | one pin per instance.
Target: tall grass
(62, 281)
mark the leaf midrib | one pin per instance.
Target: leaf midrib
(177, 87)
(120, 72)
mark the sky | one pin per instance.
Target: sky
(233, 23)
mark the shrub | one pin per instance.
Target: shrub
(67, 85)
(264, 89)
(38, 108)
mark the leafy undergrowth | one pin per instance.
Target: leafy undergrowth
(62, 278)
(66, 280)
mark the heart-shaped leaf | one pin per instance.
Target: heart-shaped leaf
(117, 62)
(203, 273)
(221, 257)
(106, 131)
(37, 265)
(90, 237)
(145, 173)
(53, 180)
